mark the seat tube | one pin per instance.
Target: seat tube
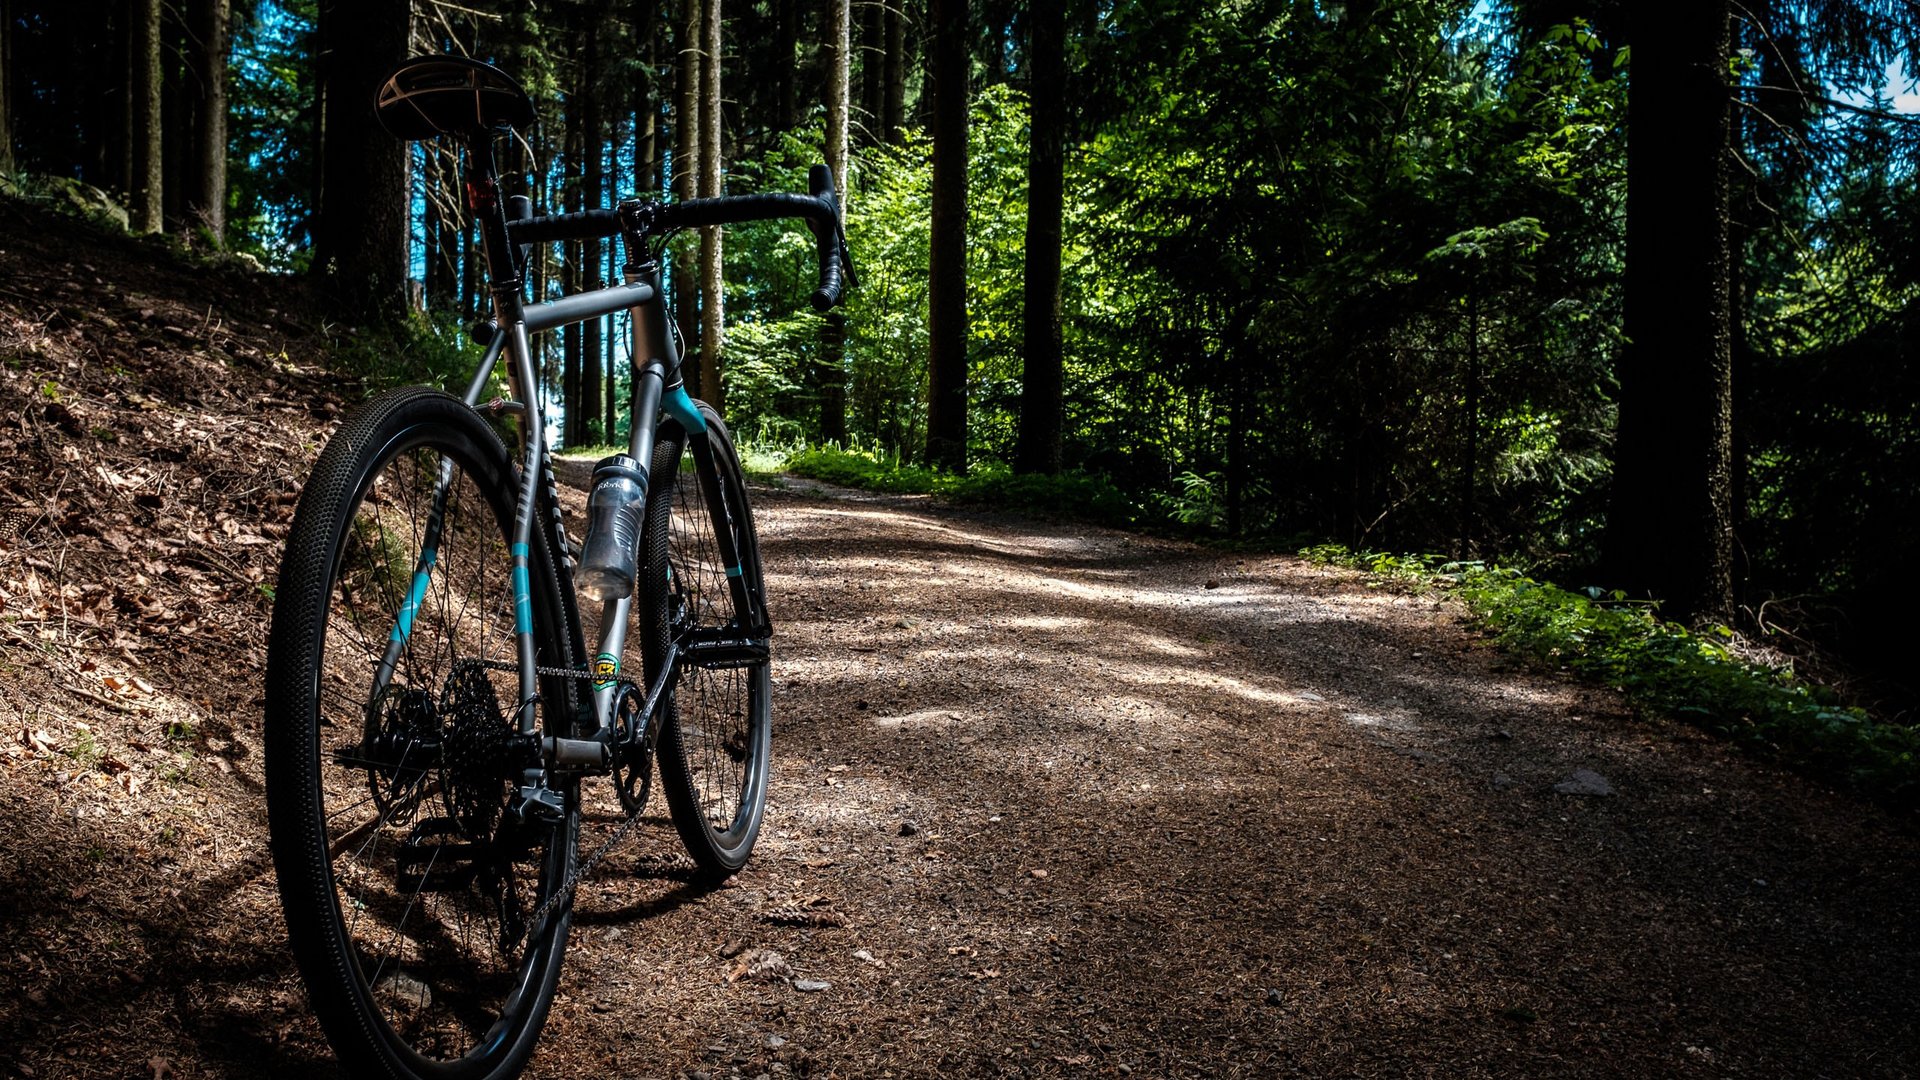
(483, 199)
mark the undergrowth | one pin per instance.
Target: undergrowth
(1664, 667)
(1075, 495)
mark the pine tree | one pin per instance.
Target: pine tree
(149, 208)
(1040, 448)
(712, 300)
(1670, 526)
(947, 255)
(210, 193)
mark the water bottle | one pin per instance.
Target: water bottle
(614, 510)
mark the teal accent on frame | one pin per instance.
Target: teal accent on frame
(403, 626)
(680, 406)
(522, 592)
(733, 571)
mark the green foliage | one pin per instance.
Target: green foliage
(429, 349)
(1665, 668)
(774, 377)
(273, 125)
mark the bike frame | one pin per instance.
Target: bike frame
(657, 390)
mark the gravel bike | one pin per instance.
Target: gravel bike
(432, 715)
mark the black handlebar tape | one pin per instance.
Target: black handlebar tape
(585, 225)
(826, 237)
(820, 210)
(733, 209)
(828, 293)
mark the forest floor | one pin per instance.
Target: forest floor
(1048, 800)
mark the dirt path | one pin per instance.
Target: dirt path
(1059, 801)
(1099, 805)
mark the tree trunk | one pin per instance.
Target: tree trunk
(893, 106)
(686, 154)
(947, 254)
(592, 147)
(712, 298)
(6, 99)
(830, 369)
(210, 194)
(574, 430)
(786, 62)
(1043, 380)
(444, 233)
(360, 247)
(179, 105)
(1469, 478)
(1669, 528)
(839, 87)
(646, 113)
(873, 61)
(613, 359)
(149, 209)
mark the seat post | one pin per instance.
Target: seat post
(489, 210)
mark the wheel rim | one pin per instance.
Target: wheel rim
(719, 713)
(432, 886)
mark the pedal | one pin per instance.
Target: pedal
(437, 858)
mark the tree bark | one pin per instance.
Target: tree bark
(830, 369)
(839, 87)
(712, 280)
(1670, 525)
(613, 359)
(646, 113)
(210, 194)
(6, 99)
(149, 208)
(686, 185)
(179, 104)
(574, 430)
(360, 249)
(893, 105)
(947, 255)
(873, 62)
(592, 148)
(1043, 380)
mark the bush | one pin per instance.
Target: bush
(1663, 667)
(1072, 495)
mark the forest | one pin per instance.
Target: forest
(1621, 296)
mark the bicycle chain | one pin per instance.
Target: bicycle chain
(565, 891)
(555, 672)
(572, 881)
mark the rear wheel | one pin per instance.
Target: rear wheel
(392, 754)
(703, 592)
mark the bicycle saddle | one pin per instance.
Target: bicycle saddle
(449, 95)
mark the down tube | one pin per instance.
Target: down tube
(614, 615)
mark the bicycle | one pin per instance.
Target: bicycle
(432, 715)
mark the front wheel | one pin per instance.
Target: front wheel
(703, 593)
(413, 894)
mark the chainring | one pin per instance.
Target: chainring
(632, 757)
